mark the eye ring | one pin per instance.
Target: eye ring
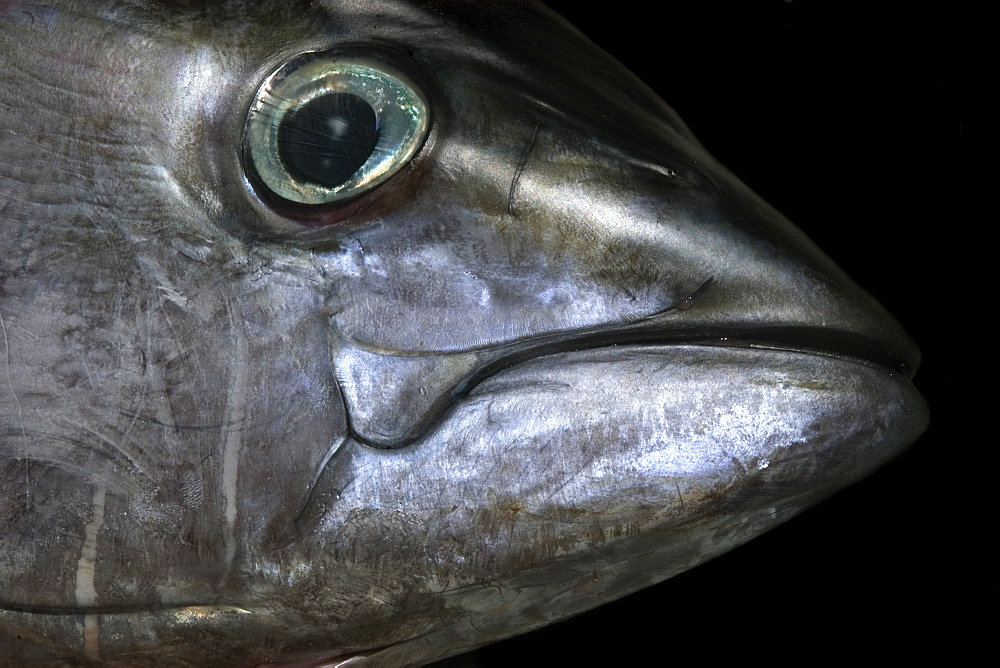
(326, 127)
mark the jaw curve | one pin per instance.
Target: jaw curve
(373, 401)
(685, 452)
(815, 341)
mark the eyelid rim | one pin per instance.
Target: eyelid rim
(323, 213)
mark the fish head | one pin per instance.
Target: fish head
(538, 350)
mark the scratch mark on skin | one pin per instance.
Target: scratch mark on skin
(236, 406)
(114, 446)
(20, 412)
(315, 479)
(520, 171)
(86, 590)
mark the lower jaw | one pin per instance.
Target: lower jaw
(600, 472)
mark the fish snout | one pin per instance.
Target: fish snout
(573, 243)
(698, 254)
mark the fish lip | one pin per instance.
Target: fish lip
(811, 340)
(808, 340)
(884, 347)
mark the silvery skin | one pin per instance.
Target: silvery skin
(560, 355)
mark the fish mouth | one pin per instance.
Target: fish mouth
(399, 421)
(805, 340)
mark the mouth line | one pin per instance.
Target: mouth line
(648, 330)
(806, 340)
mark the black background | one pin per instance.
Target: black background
(856, 120)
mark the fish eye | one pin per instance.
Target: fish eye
(325, 128)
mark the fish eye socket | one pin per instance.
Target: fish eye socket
(325, 128)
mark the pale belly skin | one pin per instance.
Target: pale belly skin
(176, 357)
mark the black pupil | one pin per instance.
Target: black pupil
(328, 138)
